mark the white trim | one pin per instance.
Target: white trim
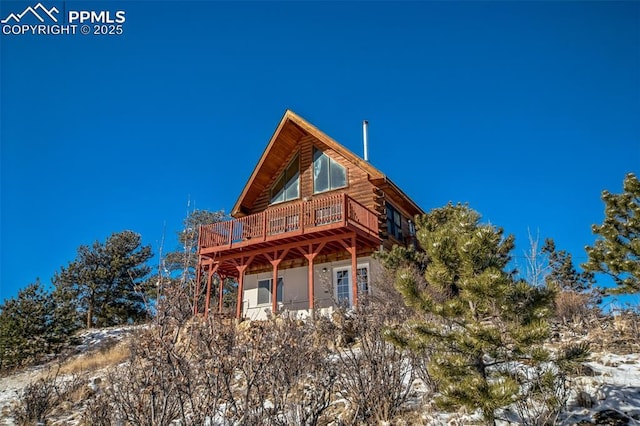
(347, 268)
(270, 279)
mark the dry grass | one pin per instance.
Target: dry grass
(572, 306)
(619, 334)
(93, 361)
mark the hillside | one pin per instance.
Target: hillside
(605, 390)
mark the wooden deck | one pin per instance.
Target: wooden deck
(307, 219)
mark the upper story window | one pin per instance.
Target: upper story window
(327, 173)
(287, 186)
(394, 222)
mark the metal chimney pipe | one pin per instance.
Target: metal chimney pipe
(365, 139)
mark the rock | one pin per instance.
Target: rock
(585, 370)
(585, 400)
(244, 326)
(611, 418)
(94, 385)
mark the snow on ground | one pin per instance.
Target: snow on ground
(621, 370)
(94, 338)
(11, 386)
(613, 387)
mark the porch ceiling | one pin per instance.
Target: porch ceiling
(322, 241)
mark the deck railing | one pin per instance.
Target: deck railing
(291, 219)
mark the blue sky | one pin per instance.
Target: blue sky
(525, 110)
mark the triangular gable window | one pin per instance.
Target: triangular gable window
(287, 186)
(327, 173)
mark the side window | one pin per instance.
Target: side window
(264, 291)
(394, 222)
(327, 173)
(363, 279)
(287, 186)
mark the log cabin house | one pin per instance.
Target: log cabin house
(309, 219)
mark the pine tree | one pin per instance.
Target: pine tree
(617, 251)
(27, 329)
(106, 281)
(179, 266)
(562, 273)
(478, 320)
(12, 340)
(66, 317)
(182, 262)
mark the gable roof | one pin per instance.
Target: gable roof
(284, 141)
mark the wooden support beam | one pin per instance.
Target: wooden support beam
(277, 254)
(345, 212)
(354, 271)
(311, 284)
(292, 245)
(310, 254)
(212, 271)
(208, 295)
(264, 226)
(197, 289)
(221, 291)
(275, 260)
(241, 268)
(274, 286)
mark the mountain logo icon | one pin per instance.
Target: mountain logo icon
(39, 11)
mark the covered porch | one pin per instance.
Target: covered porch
(293, 235)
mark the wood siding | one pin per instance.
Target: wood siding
(359, 187)
(389, 241)
(366, 185)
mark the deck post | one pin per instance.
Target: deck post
(212, 270)
(344, 209)
(275, 261)
(207, 298)
(220, 292)
(195, 295)
(310, 256)
(274, 286)
(311, 284)
(354, 271)
(241, 268)
(264, 226)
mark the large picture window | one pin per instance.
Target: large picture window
(327, 173)
(287, 186)
(264, 291)
(394, 222)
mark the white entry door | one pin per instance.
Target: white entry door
(343, 290)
